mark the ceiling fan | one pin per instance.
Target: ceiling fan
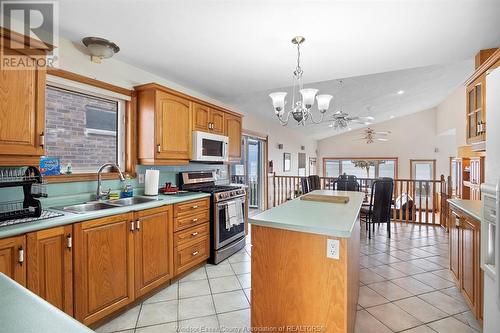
(341, 120)
(370, 135)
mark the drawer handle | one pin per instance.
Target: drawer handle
(195, 220)
(138, 225)
(20, 258)
(69, 241)
(194, 253)
(195, 206)
(194, 233)
(132, 226)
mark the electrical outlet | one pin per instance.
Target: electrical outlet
(333, 249)
(141, 178)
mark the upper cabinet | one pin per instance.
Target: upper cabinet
(164, 126)
(208, 119)
(486, 60)
(22, 110)
(233, 131)
(166, 119)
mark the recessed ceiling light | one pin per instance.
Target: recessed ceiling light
(401, 92)
(349, 129)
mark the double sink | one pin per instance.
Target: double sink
(100, 205)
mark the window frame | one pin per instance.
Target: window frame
(395, 159)
(126, 120)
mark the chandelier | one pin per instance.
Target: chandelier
(301, 109)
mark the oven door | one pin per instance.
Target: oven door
(210, 147)
(224, 235)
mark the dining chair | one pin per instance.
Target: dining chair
(305, 185)
(314, 183)
(346, 185)
(379, 209)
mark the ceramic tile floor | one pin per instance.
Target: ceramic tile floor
(405, 286)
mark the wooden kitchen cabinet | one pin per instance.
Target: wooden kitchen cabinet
(164, 126)
(22, 112)
(104, 266)
(12, 258)
(208, 119)
(153, 241)
(50, 266)
(464, 246)
(233, 131)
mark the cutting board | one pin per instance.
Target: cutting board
(325, 198)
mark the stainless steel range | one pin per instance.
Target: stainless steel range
(227, 227)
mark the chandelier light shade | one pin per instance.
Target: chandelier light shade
(301, 109)
(323, 102)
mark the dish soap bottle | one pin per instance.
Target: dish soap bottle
(127, 189)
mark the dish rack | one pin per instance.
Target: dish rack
(34, 186)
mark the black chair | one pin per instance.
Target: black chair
(305, 185)
(346, 185)
(379, 210)
(314, 183)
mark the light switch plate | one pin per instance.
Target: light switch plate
(333, 249)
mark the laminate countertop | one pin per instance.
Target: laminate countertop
(471, 207)
(68, 218)
(23, 311)
(323, 218)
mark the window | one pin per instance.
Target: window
(83, 129)
(360, 167)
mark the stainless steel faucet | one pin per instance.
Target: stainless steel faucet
(104, 195)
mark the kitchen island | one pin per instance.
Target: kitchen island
(305, 265)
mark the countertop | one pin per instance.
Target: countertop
(324, 218)
(68, 218)
(470, 207)
(23, 311)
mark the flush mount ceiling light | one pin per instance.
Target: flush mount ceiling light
(100, 48)
(301, 110)
(401, 92)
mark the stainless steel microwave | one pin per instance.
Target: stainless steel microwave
(208, 147)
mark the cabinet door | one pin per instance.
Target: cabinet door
(173, 127)
(454, 225)
(469, 255)
(22, 93)
(153, 242)
(12, 258)
(104, 266)
(233, 131)
(50, 266)
(217, 120)
(201, 117)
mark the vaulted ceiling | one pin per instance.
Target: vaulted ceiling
(232, 49)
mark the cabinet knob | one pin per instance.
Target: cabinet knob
(42, 139)
(20, 258)
(194, 207)
(194, 253)
(69, 241)
(195, 220)
(194, 233)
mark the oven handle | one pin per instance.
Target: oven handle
(236, 199)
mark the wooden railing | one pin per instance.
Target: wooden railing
(414, 201)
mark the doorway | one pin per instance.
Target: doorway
(421, 172)
(250, 171)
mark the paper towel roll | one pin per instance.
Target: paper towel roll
(152, 182)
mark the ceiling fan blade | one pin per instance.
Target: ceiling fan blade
(382, 133)
(383, 140)
(352, 118)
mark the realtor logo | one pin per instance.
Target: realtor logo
(30, 34)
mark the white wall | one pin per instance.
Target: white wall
(290, 137)
(412, 137)
(450, 116)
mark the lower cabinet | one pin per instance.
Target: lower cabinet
(104, 266)
(12, 261)
(50, 266)
(464, 244)
(153, 244)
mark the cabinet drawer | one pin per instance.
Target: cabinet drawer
(189, 255)
(188, 208)
(183, 222)
(192, 234)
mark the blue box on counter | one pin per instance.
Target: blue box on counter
(50, 166)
